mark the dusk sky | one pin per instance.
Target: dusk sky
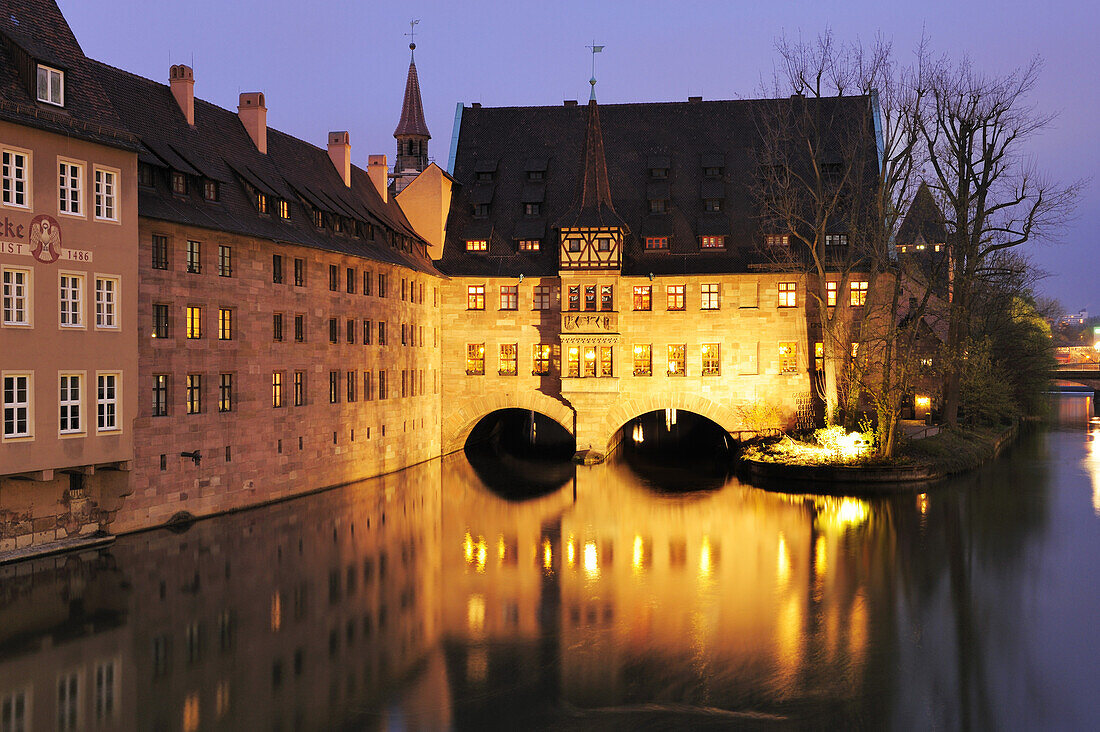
(341, 65)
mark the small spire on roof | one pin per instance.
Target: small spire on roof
(595, 49)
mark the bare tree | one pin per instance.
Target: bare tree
(975, 130)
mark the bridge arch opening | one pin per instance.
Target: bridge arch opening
(676, 450)
(521, 453)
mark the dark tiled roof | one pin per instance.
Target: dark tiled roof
(412, 109)
(219, 148)
(924, 219)
(35, 31)
(682, 137)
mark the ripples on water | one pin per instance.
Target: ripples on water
(427, 600)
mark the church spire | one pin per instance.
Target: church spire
(412, 131)
(593, 205)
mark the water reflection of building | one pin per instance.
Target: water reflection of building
(725, 594)
(301, 616)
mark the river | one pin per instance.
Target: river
(592, 598)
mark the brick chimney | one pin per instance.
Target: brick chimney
(253, 116)
(182, 82)
(378, 170)
(339, 151)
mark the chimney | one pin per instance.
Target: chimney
(253, 116)
(339, 151)
(182, 82)
(378, 170)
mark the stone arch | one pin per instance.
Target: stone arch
(725, 417)
(465, 415)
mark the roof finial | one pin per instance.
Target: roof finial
(595, 49)
(412, 37)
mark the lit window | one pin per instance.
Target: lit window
(656, 242)
(225, 324)
(712, 361)
(643, 359)
(300, 386)
(938, 248)
(51, 85)
(106, 302)
(788, 357)
(819, 357)
(225, 392)
(677, 360)
(69, 405)
(855, 350)
(858, 293)
(261, 203)
(16, 296)
(225, 261)
(476, 245)
(194, 257)
(574, 302)
(475, 297)
(709, 296)
(284, 208)
(318, 219)
(541, 357)
(17, 406)
(15, 178)
(589, 297)
(777, 240)
(836, 240)
(72, 300)
(712, 242)
(542, 297)
(107, 402)
(475, 359)
(606, 363)
(607, 297)
(509, 297)
(788, 294)
(830, 294)
(643, 297)
(529, 245)
(508, 359)
(921, 247)
(194, 322)
(674, 295)
(70, 188)
(105, 195)
(276, 389)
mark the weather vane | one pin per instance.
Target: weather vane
(595, 49)
(412, 34)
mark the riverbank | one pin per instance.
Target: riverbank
(918, 463)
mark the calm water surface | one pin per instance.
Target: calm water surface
(425, 600)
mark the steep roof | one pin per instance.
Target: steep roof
(923, 219)
(593, 206)
(219, 148)
(686, 139)
(33, 32)
(412, 109)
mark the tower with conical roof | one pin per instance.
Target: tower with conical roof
(412, 131)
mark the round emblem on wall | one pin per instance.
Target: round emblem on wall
(45, 239)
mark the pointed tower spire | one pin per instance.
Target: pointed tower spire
(593, 206)
(412, 131)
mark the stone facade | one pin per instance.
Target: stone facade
(753, 384)
(255, 452)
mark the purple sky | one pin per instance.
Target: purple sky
(341, 65)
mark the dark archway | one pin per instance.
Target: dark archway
(519, 453)
(675, 450)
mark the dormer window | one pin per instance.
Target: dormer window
(146, 176)
(318, 219)
(529, 245)
(658, 173)
(481, 210)
(476, 245)
(337, 224)
(777, 240)
(712, 205)
(51, 85)
(179, 183)
(656, 242)
(261, 202)
(712, 172)
(658, 205)
(712, 242)
(284, 208)
(836, 240)
(535, 175)
(532, 209)
(485, 177)
(210, 190)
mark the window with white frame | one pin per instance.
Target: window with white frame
(72, 300)
(16, 296)
(105, 195)
(15, 178)
(106, 302)
(17, 405)
(107, 402)
(51, 85)
(69, 417)
(70, 182)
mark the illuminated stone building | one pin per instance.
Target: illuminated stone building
(608, 261)
(68, 261)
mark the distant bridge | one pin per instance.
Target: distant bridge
(1085, 374)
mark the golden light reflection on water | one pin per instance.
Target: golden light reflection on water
(638, 559)
(475, 614)
(783, 562)
(547, 555)
(821, 562)
(1092, 465)
(705, 558)
(591, 560)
